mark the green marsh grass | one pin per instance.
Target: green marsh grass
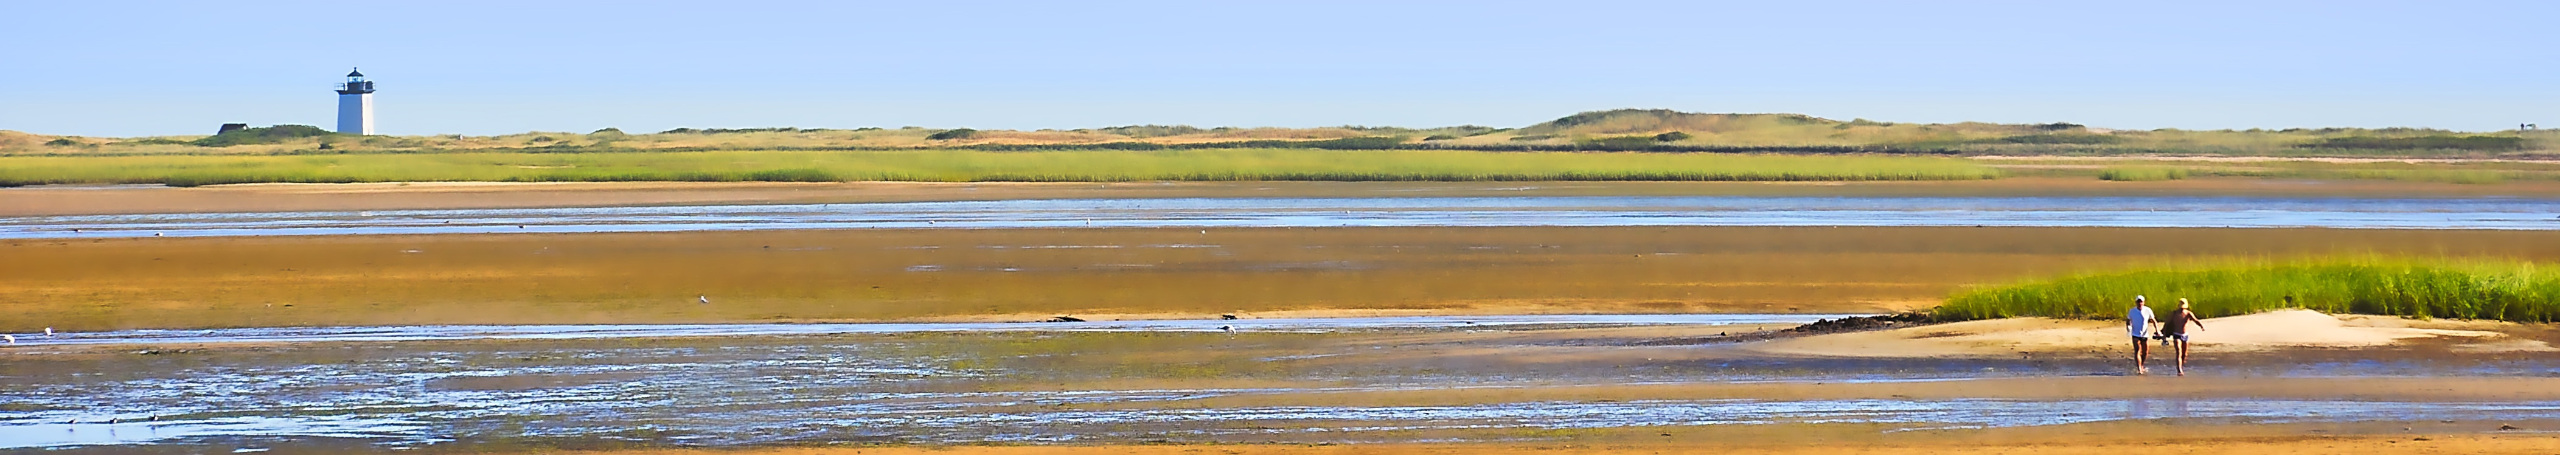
(2499, 290)
(2141, 169)
(978, 166)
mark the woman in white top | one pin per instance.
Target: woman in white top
(2138, 323)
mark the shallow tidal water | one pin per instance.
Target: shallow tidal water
(2192, 212)
(716, 386)
(582, 331)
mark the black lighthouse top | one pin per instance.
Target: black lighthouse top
(356, 84)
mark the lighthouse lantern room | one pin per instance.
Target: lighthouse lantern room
(355, 105)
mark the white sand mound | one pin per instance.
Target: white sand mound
(2029, 336)
(2310, 328)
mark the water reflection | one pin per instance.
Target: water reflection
(2169, 408)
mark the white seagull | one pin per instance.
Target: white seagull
(13, 339)
(1231, 330)
(48, 332)
(706, 300)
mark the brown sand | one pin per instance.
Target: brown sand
(2414, 389)
(93, 200)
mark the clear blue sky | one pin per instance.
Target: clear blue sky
(116, 68)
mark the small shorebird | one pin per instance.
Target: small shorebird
(48, 332)
(706, 300)
(13, 339)
(1231, 330)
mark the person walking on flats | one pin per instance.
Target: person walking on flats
(2138, 323)
(2175, 329)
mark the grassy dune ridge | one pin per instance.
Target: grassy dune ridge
(1750, 146)
(2486, 289)
(979, 166)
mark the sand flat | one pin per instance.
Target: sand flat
(2026, 336)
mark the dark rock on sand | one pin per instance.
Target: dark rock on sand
(1848, 324)
(1864, 323)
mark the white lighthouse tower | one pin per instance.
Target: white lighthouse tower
(355, 105)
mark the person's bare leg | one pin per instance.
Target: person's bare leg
(2141, 353)
(2182, 357)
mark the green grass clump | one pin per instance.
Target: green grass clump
(2507, 291)
(977, 166)
(2142, 174)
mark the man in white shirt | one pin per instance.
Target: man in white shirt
(2138, 323)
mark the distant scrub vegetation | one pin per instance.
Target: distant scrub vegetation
(734, 130)
(952, 134)
(2078, 139)
(1625, 121)
(1618, 143)
(262, 135)
(1147, 131)
(2447, 142)
(2507, 291)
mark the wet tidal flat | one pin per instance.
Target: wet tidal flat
(1485, 337)
(1032, 274)
(1401, 385)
